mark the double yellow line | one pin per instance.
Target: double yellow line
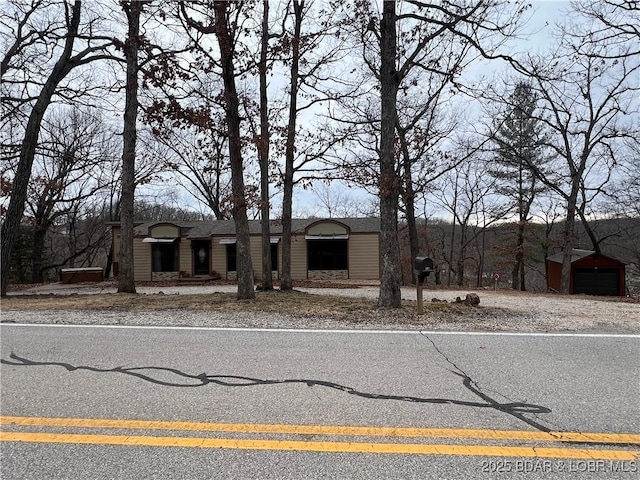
(540, 450)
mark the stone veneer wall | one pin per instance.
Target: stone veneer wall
(164, 276)
(328, 274)
(256, 275)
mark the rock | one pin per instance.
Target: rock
(472, 299)
(437, 300)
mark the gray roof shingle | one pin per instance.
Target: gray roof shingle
(205, 229)
(576, 254)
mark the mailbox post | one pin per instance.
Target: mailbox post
(423, 267)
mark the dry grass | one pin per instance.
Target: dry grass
(294, 303)
(322, 308)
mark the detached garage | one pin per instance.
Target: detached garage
(591, 274)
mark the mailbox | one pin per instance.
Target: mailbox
(424, 266)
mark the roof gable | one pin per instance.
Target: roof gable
(578, 255)
(206, 229)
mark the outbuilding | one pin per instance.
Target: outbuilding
(591, 274)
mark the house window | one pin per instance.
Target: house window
(327, 254)
(231, 257)
(164, 257)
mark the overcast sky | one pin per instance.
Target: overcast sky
(536, 37)
(542, 18)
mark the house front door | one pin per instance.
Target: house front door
(201, 250)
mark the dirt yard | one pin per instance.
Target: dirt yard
(340, 306)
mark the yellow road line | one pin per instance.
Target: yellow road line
(342, 447)
(604, 438)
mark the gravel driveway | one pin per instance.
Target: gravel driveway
(521, 311)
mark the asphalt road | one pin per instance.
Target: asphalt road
(109, 402)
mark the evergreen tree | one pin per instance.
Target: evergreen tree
(519, 140)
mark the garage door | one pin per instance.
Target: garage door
(602, 281)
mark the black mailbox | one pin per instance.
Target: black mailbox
(424, 266)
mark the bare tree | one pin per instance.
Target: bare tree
(126, 280)
(308, 52)
(587, 101)
(336, 201)
(389, 183)
(68, 59)
(68, 174)
(263, 151)
(614, 21)
(481, 26)
(287, 199)
(223, 19)
(224, 33)
(468, 194)
(194, 144)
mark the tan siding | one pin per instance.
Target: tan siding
(219, 257)
(298, 258)
(364, 256)
(184, 256)
(256, 256)
(141, 260)
(116, 243)
(327, 228)
(164, 231)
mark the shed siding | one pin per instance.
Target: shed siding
(611, 283)
(554, 273)
(364, 257)
(605, 284)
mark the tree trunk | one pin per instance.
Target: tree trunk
(39, 235)
(388, 182)
(414, 241)
(462, 253)
(126, 279)
(263, 153)
(107, 268)
(286, 282)
(590, 232)
(460, 267)
(409, 203)
(452, 246)
(568, 243)
(482, 252)
(517, 273)
(18, 198)
(225, 41)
